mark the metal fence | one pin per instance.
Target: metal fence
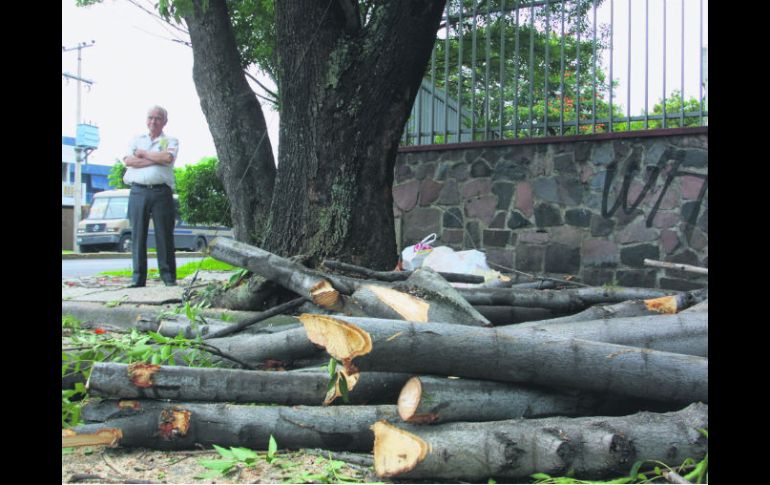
(508, 69)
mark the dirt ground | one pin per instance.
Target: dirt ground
(100, 464)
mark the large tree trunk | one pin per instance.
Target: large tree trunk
(346, 93)
(235, 119)
(524, 357)
(184, 425)
(587, 448)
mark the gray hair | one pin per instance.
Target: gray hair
(161, 109)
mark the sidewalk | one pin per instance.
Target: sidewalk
(106, 255)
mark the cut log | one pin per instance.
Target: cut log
(682, 267)
(103, 436)
(367, 298)
(184, 425)
(392, 276)
(424, 297)
(700, 307)
(525, 357)
(633, 308)
(681, 334)
(177, 383)
(292, 276)
(589, 448)
(568, 300)
(434, 400)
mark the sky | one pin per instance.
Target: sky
(134, 66)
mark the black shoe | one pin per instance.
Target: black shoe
(169, 283)
(136, 285)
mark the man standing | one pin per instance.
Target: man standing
(150, 173)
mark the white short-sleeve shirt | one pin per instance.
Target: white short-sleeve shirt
(154, 174)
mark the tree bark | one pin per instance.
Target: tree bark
(633, 308)
(235, 119)
(435, 400)
(506, 315)
(338, 138)
(680, 334)
(565, 300)
(184, 426)
(177, 383)
(588, 448)
(488, 353)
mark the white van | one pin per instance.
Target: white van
(107, 227)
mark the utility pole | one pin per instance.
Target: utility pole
(78, 150)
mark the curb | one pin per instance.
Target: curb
(179, 254)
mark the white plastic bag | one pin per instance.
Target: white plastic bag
(413, 256)
(446, 260)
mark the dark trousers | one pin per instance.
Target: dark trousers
(155, 202)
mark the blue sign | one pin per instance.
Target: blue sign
(87, 136)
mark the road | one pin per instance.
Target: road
(78, 268)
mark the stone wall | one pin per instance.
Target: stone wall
(594, 206)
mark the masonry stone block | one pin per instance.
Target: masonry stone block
(546, 189)
(496, 238)
(603, 153)
(695, 158)
(511, 169)
(634, 256)
(565, 163)
(601, 226)
(534, 237)
(452, 238)
(665, 219)
(500, 258)
(669, 241)
(578, 217)
(597, 276)
(449, 195)
(472, 235)
(530, 257)
(582, 151)
(403, 173)
(680, 284)
(498, 222)
(459, 171)
(405, 195)
(600, 253)
(480, 169)
(560, 258)
(424, 170)
(420, 222)
(476, 188)
(429, 192)
(691, 186)
(636, 232)
(524, 199)
(453, 217)
(547, 215)
(504, 193)
(638, 278)
(517, 221)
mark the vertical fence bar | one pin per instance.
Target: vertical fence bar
(433, 95)
(561, 86)
(487, 76)
(664, 64)
(577, 74)
(681, 112)
(593, 113)
(700, 52)
(547, 62)
(446, 76)
(628, 87)
(459, 73)
(531, 64)
(473, 72)
(646, 60)
(502, 66)
(516, 76)
(612, 50)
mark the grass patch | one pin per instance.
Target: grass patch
(206, 264)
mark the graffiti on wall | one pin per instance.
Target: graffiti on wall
(653, 172)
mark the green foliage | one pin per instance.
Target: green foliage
(115, 177)
(202, 196)
(236, 457)
(84, 347)
(183, 271)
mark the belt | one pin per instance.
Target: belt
(150, 186)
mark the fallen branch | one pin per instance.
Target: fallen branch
(434, 400)
(391, 276)
(632, 308)
(588, 448)
(184, 426)
(682, 267)
(524, 357)
(178, 383)
(564, 300)
(237, 327)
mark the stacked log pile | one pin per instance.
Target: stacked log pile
(430, 379)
